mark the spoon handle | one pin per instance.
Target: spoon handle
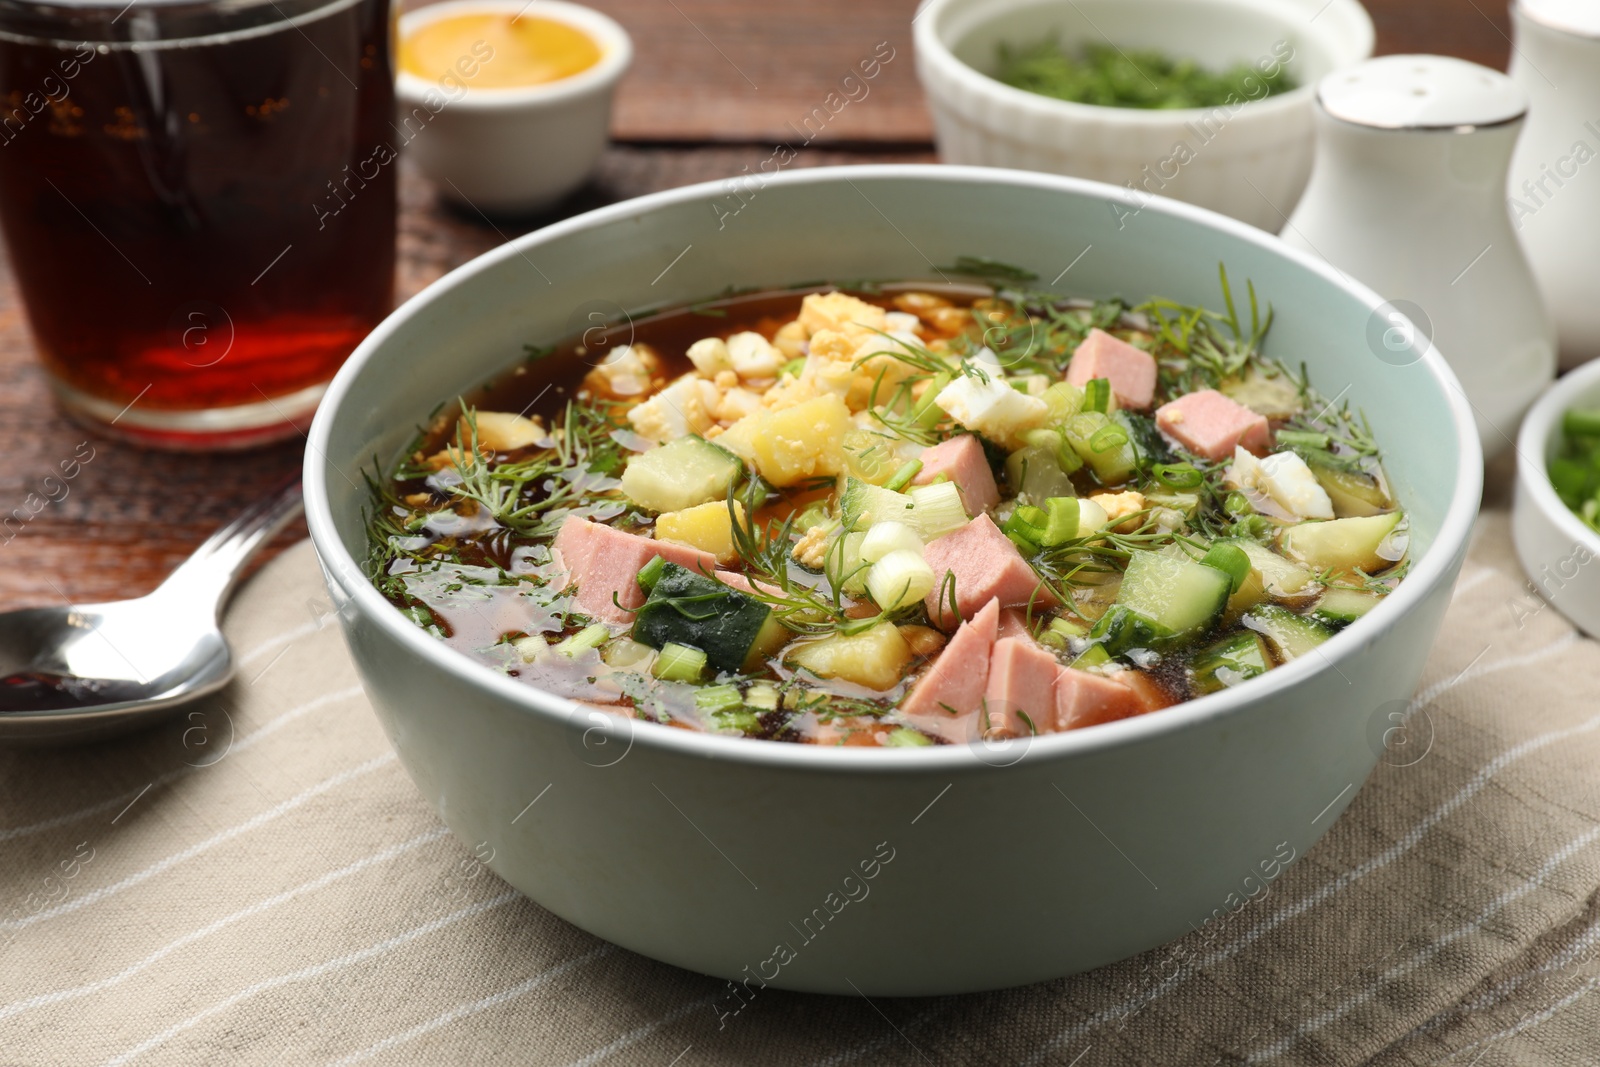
(208, 575)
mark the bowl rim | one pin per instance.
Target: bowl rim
(342, 569)
(1539, 427)
(932, 48)
(616, 55)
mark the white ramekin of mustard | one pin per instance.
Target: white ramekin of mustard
(506, 104)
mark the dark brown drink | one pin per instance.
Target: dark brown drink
(166, 177)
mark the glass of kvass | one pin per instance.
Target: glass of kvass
(199, 204)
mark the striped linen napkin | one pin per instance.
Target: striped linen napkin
(259, 883)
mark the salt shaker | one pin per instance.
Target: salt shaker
(1555, 182)
(1408, 195)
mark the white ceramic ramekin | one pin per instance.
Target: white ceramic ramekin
(1557, 550)
(511, 150)
(1250, 161)
(983, 866)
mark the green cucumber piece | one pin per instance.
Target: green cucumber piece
(1121, 630)
(1181, 596)
(1289, 635)
(1341, 607)
(1035, 473)
(734, 630)
(1232, 660)
(680, 474)
(1230, 560)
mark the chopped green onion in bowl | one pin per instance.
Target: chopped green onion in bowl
(1107, 76)
(1575, 471)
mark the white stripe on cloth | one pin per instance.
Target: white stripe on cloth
(255, 821)
(314, 971)
(639, 1033)
(1405, 844)
(1531, 1021)
(43, 999)
(1501, 991)
(285, 638)
(462, 1011)
(267, 728)
(1432, 949)
(899, 1034)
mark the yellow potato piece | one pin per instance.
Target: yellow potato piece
(789, 446)
(707, 527)
(875, 658)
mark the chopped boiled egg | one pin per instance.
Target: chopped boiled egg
(989, 406)
(1284, 478)
(753, 356)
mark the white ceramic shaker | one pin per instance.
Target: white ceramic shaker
(1408, 195)
(1555, 179)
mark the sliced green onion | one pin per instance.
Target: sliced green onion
(899, 579)
(1062, 632)
(1237, 504)
(1064, 401)
(1579, 422)
(936, 510)
(1318, 442)
(903, 476)
(886, 537)
(1107, 437)
(794, 367)
(1050, 439)
(1230, 560)
(1178, 475)
(1097, 396)
(679, 663)
(763, 697)
(927, 413)
(650, 573)
(585, 639)
(904, 737)
(1061, 521)
(717, 698)
(1026, 528)
(741, 720)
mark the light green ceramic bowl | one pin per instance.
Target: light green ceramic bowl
(989, 868)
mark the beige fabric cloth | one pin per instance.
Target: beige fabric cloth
(259, 883)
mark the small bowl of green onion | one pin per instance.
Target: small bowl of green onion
(1555, 519)
(1207, 101)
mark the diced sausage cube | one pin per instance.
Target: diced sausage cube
(1131, 371)
(601, 561)
(945, 700)
(1014, 623)
(986, 566)
(961, 460)
(1019, 697)
(1085, 699)
(1212, 425)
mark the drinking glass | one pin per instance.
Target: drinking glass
(199, 204)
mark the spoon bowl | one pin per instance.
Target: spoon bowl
(89, 671)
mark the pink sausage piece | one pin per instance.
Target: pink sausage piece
(961, 460)
(1131, 371)
(1210, 425)
(601, 561)
(986, 566)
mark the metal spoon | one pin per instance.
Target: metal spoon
(82, 672)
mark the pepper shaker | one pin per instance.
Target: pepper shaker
(1555, 183)
(1408, 195)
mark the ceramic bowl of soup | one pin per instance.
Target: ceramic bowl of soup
(929, 869)
(506, 105)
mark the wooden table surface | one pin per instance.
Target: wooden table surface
(714, 84)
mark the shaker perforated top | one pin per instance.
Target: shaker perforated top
(1421, 93)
